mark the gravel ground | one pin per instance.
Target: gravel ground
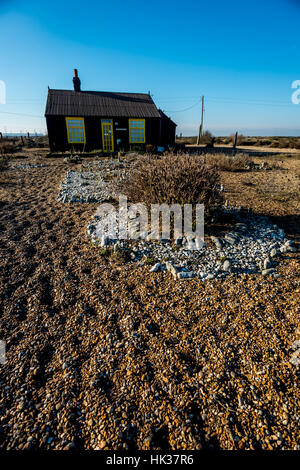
(104, 355)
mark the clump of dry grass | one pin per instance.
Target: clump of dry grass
(241, 139)
(4, 159)
(7, 147)
(224, 162)
(173, 179)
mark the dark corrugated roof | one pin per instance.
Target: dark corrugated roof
(164, 116)
(100, 103)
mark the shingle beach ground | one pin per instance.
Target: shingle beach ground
(101, 355)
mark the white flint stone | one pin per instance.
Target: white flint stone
(295, 359)
(185, 275)
(155, 268)
(273, 253)
(226, 265)
(265, 272)
(267, 263)
(296, 344)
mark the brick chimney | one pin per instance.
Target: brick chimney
(76, 81)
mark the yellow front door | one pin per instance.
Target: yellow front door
(107, 135)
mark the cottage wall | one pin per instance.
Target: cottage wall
(155, 133)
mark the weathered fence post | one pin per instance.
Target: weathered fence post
(235, 140)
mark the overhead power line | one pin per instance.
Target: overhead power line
(223, 98)
(21, 114)
(227, 100)
(186, 109)
(252, 103)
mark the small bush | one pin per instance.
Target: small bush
(150, 148)
(224, 162)
(120, 256)
(3, 162)
(7, 147)
(137, 148)
(186, 140)
(241, 139)
(206, 138)
(149, 260)
(173, 179)
(297, 145)
(104, 252)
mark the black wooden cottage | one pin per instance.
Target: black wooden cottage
(88, 120)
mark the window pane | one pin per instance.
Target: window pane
(75, 130)
(136, 130)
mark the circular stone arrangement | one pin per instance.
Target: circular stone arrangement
(254, 246)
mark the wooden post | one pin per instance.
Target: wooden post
(201, 125)
(235, 140)
(160, 140)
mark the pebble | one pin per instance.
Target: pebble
(155, 268)
(265, 272)
(185, 275)
(273, 253)
(227, 265)
(295, 359)
(267, 263)
(217, 242)
(296, 344)
(287, 248)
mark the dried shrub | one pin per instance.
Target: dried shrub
(150, 148)
(173, 179)
(206, 138)
(296, 145)
(286, 142)
(7, 147)
(3, 162)
(241, 139)
(186, 140)
(223, 162)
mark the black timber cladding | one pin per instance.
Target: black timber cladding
(104, 104)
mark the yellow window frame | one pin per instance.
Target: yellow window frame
(75, 127)
(138, 128)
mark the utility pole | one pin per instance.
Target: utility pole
(201, 125)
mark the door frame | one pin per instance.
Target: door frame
(111, 124)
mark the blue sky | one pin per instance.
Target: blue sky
(241, 55)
